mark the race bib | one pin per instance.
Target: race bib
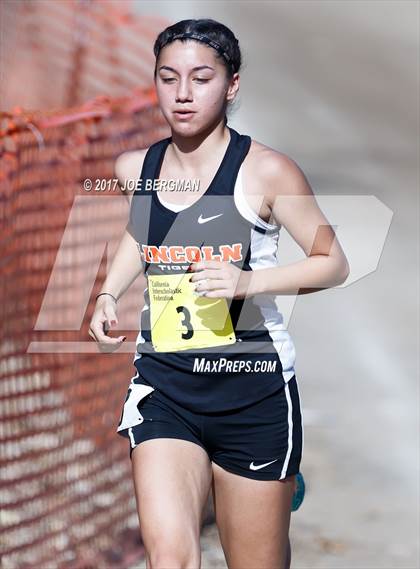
(181, 320)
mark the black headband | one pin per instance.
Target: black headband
(204, 39)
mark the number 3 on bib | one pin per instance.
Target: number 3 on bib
(181, 320)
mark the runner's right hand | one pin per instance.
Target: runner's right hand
(103, 318)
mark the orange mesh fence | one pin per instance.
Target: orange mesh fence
(60, 54)
(66, 496)
(66, 488)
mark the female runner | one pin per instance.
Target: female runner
(214, 402)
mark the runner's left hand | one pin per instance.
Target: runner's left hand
(220, 279)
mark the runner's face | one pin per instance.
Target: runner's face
(190, 77)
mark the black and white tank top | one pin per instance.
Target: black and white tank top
(220, 225)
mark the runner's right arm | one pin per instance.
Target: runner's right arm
(126, 265)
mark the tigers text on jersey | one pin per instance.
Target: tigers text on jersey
(246, 335)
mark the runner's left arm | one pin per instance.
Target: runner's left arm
(293, 206)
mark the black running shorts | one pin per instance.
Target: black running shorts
(263, 441)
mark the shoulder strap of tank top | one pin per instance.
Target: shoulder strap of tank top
(225, 177)
(234, 157)
(151, 162)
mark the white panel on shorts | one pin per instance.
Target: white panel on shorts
(131, 415)
(290, 432)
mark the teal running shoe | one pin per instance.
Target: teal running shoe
(299, 492)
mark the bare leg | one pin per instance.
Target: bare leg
(172, 480)
(253, 519)
(289, 555)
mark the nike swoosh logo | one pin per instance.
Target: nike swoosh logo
(202, 219)
(253, 467)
